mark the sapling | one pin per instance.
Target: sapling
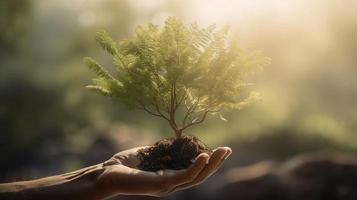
(181, 74)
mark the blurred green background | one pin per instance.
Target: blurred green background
(50, 124)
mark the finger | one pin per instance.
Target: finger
(129, 157)
(129, 152)
(215, 161)
(229, 152)
(189, 175)
(133, 181)
(180, 177)
(111, 161)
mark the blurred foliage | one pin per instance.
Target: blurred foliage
(48, 119)
(42, 79)
(13, 25)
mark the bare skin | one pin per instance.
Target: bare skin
(119, 175)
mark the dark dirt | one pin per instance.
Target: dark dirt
(172, 153)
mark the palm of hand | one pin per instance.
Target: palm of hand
(123, 177)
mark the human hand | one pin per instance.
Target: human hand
(121, 175)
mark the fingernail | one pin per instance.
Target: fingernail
(194, 160)
(207, 158)
(227, 155)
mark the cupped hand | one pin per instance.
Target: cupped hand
(121, 175)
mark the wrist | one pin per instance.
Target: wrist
(80, 184)
(105, 186)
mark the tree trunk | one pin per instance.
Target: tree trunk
(178, 133)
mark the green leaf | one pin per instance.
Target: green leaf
(251, 99)
(222, 118)
(97, 68)
(99, 90)
(106, 42)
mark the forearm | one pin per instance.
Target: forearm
(80, 184)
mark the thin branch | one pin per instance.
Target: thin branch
(174, 100)
(172, 111)
(158, 110)
(183, 97)
(190, 110)
(150, 112)
(199, 121)
(158, 114)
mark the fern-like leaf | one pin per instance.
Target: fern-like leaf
(97, 68)
(99, 90)
(106, 42)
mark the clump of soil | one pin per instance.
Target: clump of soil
(172, 153)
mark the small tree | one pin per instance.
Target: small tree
(178, 73)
